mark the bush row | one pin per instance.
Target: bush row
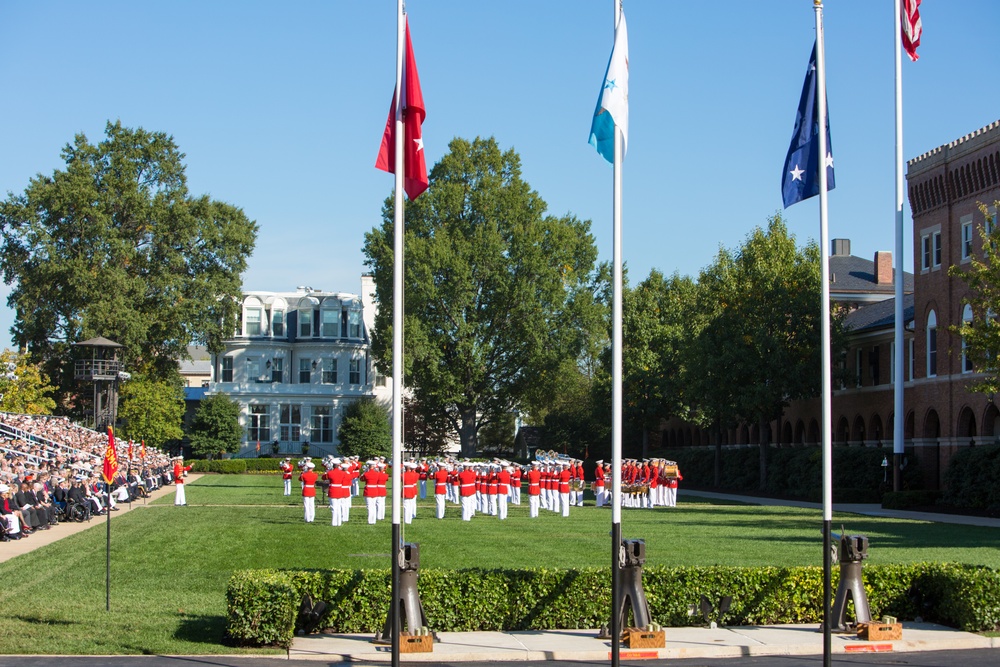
(236, 466)
(262, 604)
(971, 479)
(792, 472)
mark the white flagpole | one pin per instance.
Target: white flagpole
(616, 391)
(827, 390)
(897, 410)
(397, 333)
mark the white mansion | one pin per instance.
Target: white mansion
(296, 360)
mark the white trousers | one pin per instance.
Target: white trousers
(564, 499)
(439, 502)
(288, 487)
(345, 509)
(599, 495)
(179, 498)
(409, 509)
(423, 489)
(380, 505)
(468, 507)
(336, 515)
(502, 506)
(517, 494)
(372, 504)
(533, 503)
(493, 503)
(309, 503)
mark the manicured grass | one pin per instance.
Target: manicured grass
(170, 565)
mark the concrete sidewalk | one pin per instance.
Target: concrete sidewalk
(40, 538)
(867, 509)
(680, 643)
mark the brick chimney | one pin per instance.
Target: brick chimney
(883, 267)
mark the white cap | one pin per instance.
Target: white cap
(310, 465)
(4, 488)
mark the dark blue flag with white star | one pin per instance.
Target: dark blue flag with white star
(800, 179)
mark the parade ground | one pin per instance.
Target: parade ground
(170, 567)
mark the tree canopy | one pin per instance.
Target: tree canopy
(497, 293)
(364, 430)
(981, 334)
(216, 427)
(24, 388)
(114, 245)
(151, 410)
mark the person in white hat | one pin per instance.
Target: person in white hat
(410, 478)
(286, 475)
(335, 476)
(308, 479)
(179, 469)
(345, 492)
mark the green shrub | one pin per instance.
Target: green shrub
(971, 479)
(904, 500)
(225, 466)
(262, 465)
(263, 603)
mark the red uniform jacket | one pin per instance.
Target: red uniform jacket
(308, 479)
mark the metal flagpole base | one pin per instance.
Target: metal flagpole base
(827, 579)
(616, 593)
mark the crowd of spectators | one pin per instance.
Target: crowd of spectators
(51, 470)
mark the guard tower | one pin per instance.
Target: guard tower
(99, 364)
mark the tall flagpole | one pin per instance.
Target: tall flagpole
(827, 394)
(897, 409)
(616, 392)
(397, 334)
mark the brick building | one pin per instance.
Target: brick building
(946, 186)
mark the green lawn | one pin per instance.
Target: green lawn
(170, 565)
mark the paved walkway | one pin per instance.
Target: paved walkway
(40, 538)
(854, 508)
(680, 643)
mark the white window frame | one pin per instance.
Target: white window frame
(305, 370)
(966, 319)
(253, 369)
(227, 369)
(321, 424)
(331, 328)
(966, 222)
(258, 423)
(278, 324)
(252, 324)
(354, 371)
(305, 323)
(329, 370)
(932, 345)
(354, 323)
(290, 422)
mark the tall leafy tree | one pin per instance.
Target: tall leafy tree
(981, 335)
(216, 427)
(655, 323)
(364, 429)
(761, 348)
(496, 291)
(114, 245)
(152, 410)
(24, 387)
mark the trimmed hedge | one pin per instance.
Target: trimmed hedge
(224, 466)
(971, 479)
(792, 472)
(262, 604)
(262, 465)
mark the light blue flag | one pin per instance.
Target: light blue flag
(612, 103)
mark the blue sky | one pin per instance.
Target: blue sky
(279, 108)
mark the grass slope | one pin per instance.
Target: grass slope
(170, 565)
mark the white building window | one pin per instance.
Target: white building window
(931, 344)
(966, 319)
(966, 237)
(227, 369)
(305, 371)
(321, 428)
(253, 369)
(305, 323)
(331, 322)
(354, 324)
(259, 426)
(278, 324)
(290, 422)
(355, 371)
(253, 322)
(277, 370)
(329, 371)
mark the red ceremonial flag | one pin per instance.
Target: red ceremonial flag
(414, 167)
(909, 16)
(110, 468)
(130, 444)
(142, 450)
(258, 446)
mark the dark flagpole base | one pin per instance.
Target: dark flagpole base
(394, 606)
(616, 593)
(827, 580)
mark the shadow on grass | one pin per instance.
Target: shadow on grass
(201, 629)
(35, 620)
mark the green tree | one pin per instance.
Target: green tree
(655, 325)
(216, 427)
(981, 335)
(24, 388)
(151, 410)
(364, 430)
(761, 348)
(496, 292)
(136, 258)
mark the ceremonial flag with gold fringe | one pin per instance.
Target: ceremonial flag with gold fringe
(110, 468)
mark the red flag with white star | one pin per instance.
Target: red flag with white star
(414, 166)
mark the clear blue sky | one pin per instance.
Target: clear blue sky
(279, 108)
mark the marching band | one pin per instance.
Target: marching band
(555, 483)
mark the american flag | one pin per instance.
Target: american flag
(911, 28)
